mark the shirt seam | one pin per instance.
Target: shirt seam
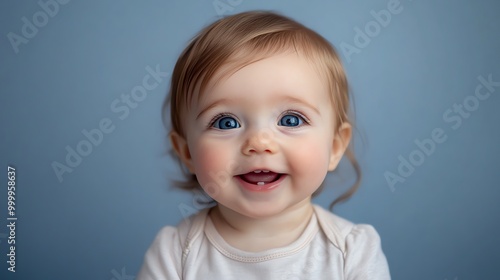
(268, 257)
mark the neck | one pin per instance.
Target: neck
(269, 232)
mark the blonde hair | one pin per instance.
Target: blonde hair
(239, 40)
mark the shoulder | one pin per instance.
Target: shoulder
(346, 232)
(163, 259)
(364, 256)
(339, 225)
(360, 244)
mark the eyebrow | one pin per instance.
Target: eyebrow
(303, 102)
(215, 104)
(284, 99)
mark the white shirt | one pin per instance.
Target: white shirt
(329, 248)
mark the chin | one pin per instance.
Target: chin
(261, 209)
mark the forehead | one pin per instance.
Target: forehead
(287, 73)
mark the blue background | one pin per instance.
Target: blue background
(442, 222)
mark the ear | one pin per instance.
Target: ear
(180, 146)
(341, 141)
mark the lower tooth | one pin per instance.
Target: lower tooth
(260, 183)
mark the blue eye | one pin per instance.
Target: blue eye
(226, 123)
(291, 120)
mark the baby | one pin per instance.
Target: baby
(260, 115)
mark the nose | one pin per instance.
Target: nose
(262, 141)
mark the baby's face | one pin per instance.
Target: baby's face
(262, 140)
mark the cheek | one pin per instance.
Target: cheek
(213, 165)
(311, 163)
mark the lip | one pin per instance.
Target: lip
(263, 188)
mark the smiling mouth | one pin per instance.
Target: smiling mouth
(260, 177)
